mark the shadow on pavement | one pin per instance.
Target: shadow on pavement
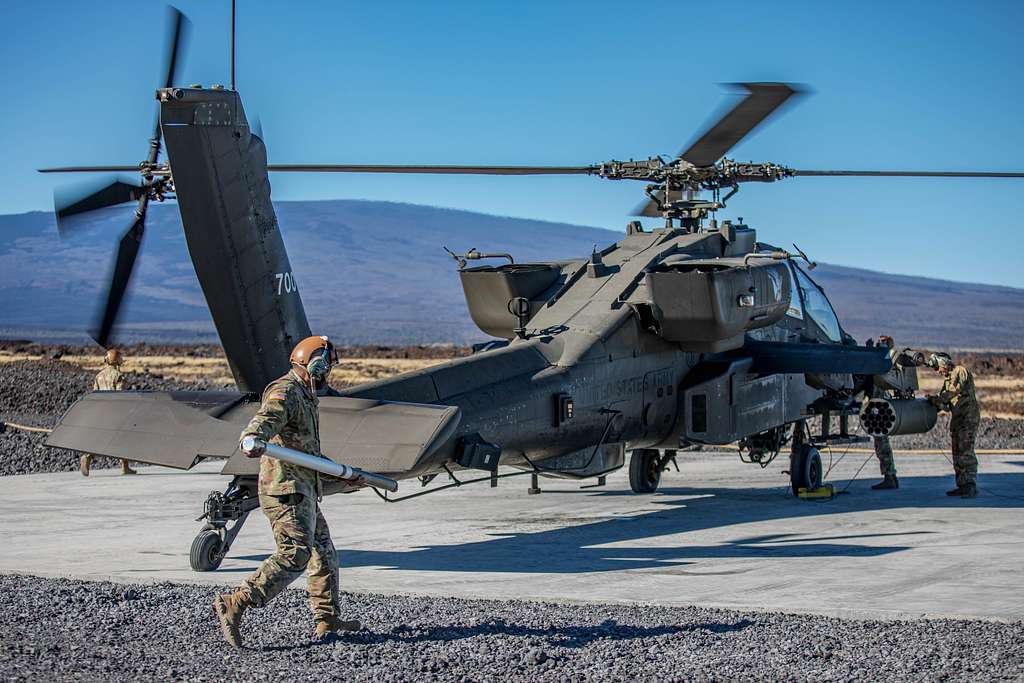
(578, 548)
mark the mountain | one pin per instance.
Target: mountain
(375, 272)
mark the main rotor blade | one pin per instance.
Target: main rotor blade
(90, 169)
(127, 251)
(762, 99)
(911, 174)
(456, 170)
(68, 202)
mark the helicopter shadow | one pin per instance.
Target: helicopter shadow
(584, 548)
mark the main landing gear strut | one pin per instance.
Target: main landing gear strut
(214, 540)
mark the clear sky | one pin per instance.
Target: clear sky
(897, 85)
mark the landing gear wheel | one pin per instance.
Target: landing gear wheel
(207, 551)
(644, 470)
(805, 468)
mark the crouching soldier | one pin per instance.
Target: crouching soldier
(289, 495)
(958, 397)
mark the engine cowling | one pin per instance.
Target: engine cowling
(708, 305)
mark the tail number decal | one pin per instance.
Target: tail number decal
(285, 283)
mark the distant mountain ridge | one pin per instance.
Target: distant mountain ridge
(375, 272)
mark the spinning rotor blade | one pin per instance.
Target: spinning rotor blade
(177, 38)
(650, 209)
(116, 192)
(911, 174)
(762, 99)
(455, 170)
(127, 251)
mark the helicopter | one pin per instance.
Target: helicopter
(689, 334)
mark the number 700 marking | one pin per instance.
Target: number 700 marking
(286, 283)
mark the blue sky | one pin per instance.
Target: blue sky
(911, 85)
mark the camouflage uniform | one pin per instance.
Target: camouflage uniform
(886, 463)
(958, 397)
(110, 378)
(289, 498)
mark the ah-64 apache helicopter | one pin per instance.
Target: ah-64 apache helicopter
(692, 333)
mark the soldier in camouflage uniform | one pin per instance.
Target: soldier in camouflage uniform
(289, 498)
(883, 448)
(110, 378)
(958, 397)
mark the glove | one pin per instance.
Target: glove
(250, 447)
(934, 400)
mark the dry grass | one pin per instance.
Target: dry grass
(188, 369)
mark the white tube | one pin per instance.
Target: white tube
(322, 465)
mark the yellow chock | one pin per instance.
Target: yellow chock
(823, 491)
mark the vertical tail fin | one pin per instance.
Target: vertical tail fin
(220, 178)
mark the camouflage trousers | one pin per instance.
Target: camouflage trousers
(965, 462)
(883, 450)
(303, 544)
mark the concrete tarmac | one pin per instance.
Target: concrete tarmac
(718, 533)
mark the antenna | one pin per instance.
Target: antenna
(233, 45)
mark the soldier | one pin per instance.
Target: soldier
(110, 378)
(883, 449)
(958, 397)
(289, 498)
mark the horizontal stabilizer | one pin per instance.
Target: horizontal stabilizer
(373, 435)
(178, 429)
(158, 428)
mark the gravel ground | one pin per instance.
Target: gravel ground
(73, 630)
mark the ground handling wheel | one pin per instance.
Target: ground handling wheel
(805, 468)
(207, 551)
(645, 467)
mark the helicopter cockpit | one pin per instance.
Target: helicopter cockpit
(810, 301)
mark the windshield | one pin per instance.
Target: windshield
(818, 307)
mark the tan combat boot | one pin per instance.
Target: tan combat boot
(330, 625)
(229, 608)
(84, 463)
(126, 468)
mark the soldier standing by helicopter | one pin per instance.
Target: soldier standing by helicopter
(958, 397)
(110, 378)
(289, 497)
(883, 447)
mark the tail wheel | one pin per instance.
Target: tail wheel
(805, 470)
(207, 551)
(644, 470)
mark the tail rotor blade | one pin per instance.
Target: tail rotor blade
(127, 251)
(68, 202)
(761, 101)
(179, 33)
